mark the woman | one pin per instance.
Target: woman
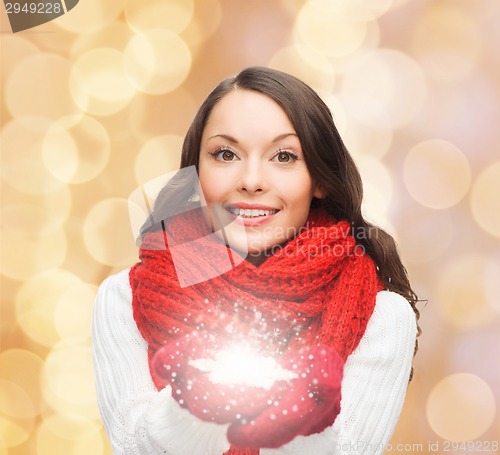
(276, 256)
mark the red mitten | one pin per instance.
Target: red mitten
(309, 404)
(193, 388)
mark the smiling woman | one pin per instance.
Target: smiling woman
(271, 259)
(252, 170)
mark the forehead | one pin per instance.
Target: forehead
(246, 113)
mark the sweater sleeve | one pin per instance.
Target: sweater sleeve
(138, 419)
(373, 389)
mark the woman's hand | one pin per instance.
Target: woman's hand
(259, 417)
(307, 405)
(194, 390)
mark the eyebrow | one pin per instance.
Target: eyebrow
(235, 141)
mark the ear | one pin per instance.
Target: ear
(319, 193)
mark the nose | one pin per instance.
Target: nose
(252, 178)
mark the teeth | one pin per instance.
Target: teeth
(251, 212)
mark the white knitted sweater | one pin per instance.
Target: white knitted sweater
(140, 420)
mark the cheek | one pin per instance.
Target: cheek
(213, 185)
(205, 176)
(300, 192)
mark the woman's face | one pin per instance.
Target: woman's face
(252, 172)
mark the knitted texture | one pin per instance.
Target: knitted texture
(237, 451)
(319, 288)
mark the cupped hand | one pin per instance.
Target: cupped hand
(307, 405)
(194, 389)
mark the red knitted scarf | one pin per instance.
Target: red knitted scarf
(318, 288)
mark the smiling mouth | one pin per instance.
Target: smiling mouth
(250, 213)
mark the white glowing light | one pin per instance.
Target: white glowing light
(242, 365)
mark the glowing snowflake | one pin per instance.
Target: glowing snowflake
(242, 365)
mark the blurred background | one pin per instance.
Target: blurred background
(98, 101)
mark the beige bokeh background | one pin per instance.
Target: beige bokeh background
(97, 102)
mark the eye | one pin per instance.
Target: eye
(224, 154)
(284, 156)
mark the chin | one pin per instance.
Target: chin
(247, 245)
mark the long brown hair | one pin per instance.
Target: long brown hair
(326, 157)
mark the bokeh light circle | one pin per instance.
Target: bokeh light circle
(484, 199)
(37, 301)
(91, 15)
(461, 294)
(357, 10)
(14, 401)
(338, 111)
(68, 384)
(327, 32)
(395, 81)
(107, 233)
(159, 155)
(73, 313)
(447, 42)
(307, 64)
(49, 97)
(378, 185)
(362, 139)
(68, 379)
(17, 414)
(492, 283)
(23, 368)
(399, 3)
(15, 49)
(76, 152)
(59, 152)
(50, 443)
(26, 255)
(41, 214)
(98, 82)
(14, 432)
(114, 36)
(369, 131)
(72, 426)
(150, 116)
(157, 61)
(173, 15)
(204, 23)
(437, 174)
(22, 165)
(465, 356)
(424, 234)
(25, 218)
(461, 407)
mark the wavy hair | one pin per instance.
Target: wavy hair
(327, 159)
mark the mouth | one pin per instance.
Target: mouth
(251, 213)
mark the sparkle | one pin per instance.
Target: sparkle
(240, 364)
(275, 334)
